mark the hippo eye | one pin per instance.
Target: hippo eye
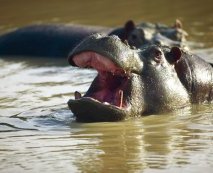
(134, 37)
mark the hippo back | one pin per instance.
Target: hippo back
(45, 40)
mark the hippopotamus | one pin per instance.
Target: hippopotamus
(146, 33)
(54, 40)
(136, 82)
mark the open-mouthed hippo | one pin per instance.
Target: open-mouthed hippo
(135, 82)
(54, 40)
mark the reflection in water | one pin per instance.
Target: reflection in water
(155, 142)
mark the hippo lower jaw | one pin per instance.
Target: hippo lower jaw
(107, 97)
(88, 109)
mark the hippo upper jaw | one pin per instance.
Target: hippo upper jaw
(111, 50)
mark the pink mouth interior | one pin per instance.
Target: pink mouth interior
(111, 83)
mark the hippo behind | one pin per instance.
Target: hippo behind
(146, 33)
(138, 82)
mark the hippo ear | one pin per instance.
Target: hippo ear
(129, 26)
(178, 24)
(174, 55)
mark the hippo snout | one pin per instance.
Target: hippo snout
(102, 47)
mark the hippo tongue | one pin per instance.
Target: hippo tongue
(118, 98)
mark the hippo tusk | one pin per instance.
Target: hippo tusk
(77, 95)
(121, 93)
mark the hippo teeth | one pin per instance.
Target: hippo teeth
(120, 93)
(119, 98)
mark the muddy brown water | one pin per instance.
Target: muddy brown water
(39, 133)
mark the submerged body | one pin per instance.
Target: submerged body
(135, 82)
(59, 40)
(45, 40)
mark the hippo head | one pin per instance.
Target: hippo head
(139, 35)
(147, 33)
(129, 82)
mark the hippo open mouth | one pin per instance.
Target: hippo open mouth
(109, 96)
(108, 90)
(110, 82)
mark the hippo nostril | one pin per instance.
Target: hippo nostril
(157, 54)
(156, 51)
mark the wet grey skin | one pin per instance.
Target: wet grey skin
(136, 82)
